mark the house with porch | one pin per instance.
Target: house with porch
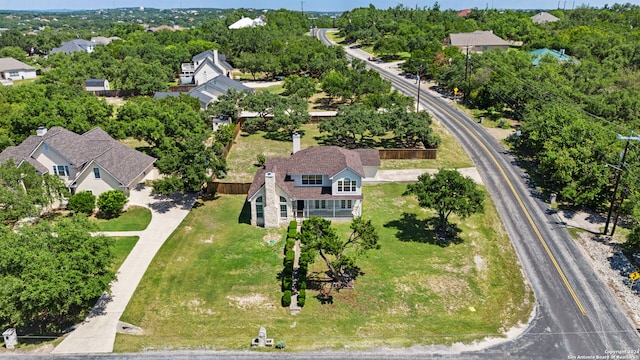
(93, 161)
(323, 181)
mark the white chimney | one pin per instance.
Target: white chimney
(41, 131)
(271, 208)
(296, 143)
(215, 57)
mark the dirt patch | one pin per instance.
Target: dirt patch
(196, 307)
(253, 301)
(272, 238)
(500, 134)
(207, 241)
(481, 265)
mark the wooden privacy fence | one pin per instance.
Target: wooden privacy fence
(410, 154)
(216, 187)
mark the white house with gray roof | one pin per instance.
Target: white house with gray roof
(12, 69)
(543, 18)
(323, 181)
(93, 161)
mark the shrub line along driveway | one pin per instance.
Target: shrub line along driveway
(97, 333)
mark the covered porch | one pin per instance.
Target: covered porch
(328, 208)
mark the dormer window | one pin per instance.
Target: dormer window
(311, 179)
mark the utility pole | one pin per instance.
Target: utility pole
(302, 7)
(618, 175)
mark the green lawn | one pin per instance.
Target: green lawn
(122, 248)
(243, 156)
(134, 219)
(214, 283)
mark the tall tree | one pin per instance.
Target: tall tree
(447, 192)
(340, 255)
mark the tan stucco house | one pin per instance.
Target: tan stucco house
(477, 41)
(323, 181)
(92, 161)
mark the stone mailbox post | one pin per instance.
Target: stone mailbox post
(10, 338)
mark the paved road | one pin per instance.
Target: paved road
(576, 314)
(98, 332)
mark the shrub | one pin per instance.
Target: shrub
(83, 202)
(292, 234)
(112, 202)
(302, 296)
(293, 225)
(289, 256)
(302, 284)
(262, 159)
(290, 244)
(286, 283)
(286, 298)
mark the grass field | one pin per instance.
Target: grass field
(134, 219)
(122, 248)
(214, 283)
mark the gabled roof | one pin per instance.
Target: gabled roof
(247, 22)
(464, 13)
(318, 160)
(477, 38)
(96, 145)
(543, 17)
(69, 47)
(215, 87)
(208, 54)
(558, 55)
(11, 64)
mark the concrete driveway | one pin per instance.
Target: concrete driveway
(98, 332)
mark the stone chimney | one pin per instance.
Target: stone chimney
(296, 143)
(271, 207)
(41, 131)
(215, 57)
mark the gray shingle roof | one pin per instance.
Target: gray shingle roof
(123, 163)
(477, 38)
(9, 64)
(319, 160)
(69, 47)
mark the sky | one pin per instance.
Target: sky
(321, 5)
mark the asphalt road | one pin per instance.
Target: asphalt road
(576, 313)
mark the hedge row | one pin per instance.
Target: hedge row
(289, 257)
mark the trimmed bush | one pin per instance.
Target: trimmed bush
(292, 234)
(302, 296)
(289, 256)
(302, 285)
(112, 202)
(83, 202)
(286, 283)
(286, 298)
(293, 225)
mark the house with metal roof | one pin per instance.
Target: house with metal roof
(12, 69)
(477, 41)
(96, 85)
(543, 18)
(560, 56)
(93, 161)
(245, 22)
(323, 181)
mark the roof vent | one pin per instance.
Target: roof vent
(41, 131)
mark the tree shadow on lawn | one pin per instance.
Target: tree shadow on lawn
(412, 229)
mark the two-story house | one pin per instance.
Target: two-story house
(323, 181)
(92, 161)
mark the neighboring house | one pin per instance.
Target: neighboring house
(217, 121)
(204, 67)
(561, 56)
(477, 41)
(543, 18)
(324, 181)
(101, 40)
(96, 85)
(464, 13)
(165, 27)
(12, 69)
(209, 72)
(248, 22)
(92, 161)
(69, 47)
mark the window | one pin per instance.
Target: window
(61, 170)
(321, 204)
(96, 172)
(345, 204)
(259, 199)
(346, 185)
(13, 74)
(311, 179)
(283, 210)
(259, 210)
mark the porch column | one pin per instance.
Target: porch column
(334, 208)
